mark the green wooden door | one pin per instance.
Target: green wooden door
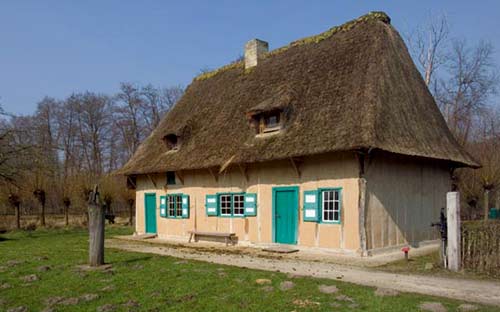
(285, 214)
(150, 213)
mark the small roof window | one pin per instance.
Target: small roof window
(172, 141)
(270, 122)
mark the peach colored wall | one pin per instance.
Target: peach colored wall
(333, 170)
(404, 195)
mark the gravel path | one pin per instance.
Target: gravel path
(483, 292)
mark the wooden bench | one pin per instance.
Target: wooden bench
(227, 236)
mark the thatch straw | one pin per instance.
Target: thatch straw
(355, 88)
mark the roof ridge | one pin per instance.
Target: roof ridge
(371, 16)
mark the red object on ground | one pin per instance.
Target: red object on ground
(406, 249)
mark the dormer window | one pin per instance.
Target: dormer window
(270, 122)
(172, 142)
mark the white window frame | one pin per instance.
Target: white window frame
(230, 207)
(333, 201)
(241, 201)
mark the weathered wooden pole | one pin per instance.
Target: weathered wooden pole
(453, 230)
(96, 229)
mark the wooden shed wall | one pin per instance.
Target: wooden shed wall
(404, 195)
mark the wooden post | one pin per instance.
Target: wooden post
(362, 217)
(453, 230)
(18, 217)
(96, 229)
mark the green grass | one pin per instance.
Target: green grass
(160, 283)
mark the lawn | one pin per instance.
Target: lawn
(40, 270)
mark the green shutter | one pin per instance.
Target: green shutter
(250, 204)
(211, 205)
(185, 206)
(163, 206)
(311, 204)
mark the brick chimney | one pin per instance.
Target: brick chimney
(254, 50)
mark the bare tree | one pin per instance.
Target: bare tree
(472, 79)
(128, 112)
(427, 45)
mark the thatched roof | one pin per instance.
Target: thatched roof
(354, 86)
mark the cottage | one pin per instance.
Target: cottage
(331, 142)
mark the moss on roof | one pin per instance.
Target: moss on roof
(380, 16)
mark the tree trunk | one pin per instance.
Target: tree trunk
(18, 217)
(486, 204)
(96, 232)
(42, 215)
(66, 215)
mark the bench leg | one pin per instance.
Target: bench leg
(190, 237)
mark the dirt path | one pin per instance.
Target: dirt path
(466, 290)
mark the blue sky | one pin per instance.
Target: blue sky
(55, 48)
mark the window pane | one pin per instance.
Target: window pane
(171, 206)
(178, 206)
(238, 205)
(225, 204)
(330, 205)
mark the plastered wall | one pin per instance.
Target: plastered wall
(333, 170)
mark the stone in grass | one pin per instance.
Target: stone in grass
(262, 281)
(41, 258)
(428, 266)
(108, 288)
(18, 309)
(386, 292)
(53, 300)
(30, 278)
(138, 267)
(43, 268)
(5, 286)
(286, 285)
(131, 304)
(181, 262)
(335, 305)
(89, 297)
(465, 307)
(106, 308)
(432, 307)
(268, 288)
(69, 301)
(12, 263)
(344, 298)
(328, 289)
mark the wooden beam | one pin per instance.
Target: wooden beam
(214, 175)
(180, 176)
(244, 171)
(295, 164)
(131, 181)
(152, 180)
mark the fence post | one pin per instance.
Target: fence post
(453, 222)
